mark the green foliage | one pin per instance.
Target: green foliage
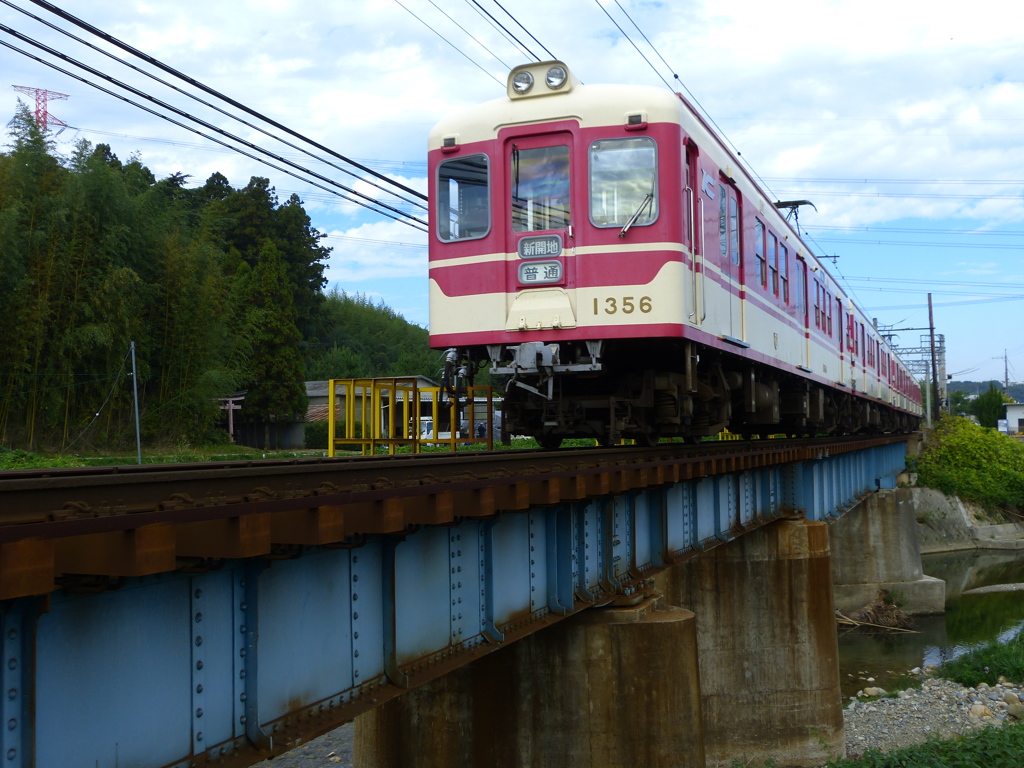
(987, 663)
(974, 463)
(18, 459)
(991, 747)
(989, 407)
(365, 339)
(220, 288)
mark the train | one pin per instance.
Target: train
(600, 251)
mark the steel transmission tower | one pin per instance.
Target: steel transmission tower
(43, 117)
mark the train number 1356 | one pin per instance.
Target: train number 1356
(627, 305)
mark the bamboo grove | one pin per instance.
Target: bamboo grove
(221, 289)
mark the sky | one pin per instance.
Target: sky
(902, 122)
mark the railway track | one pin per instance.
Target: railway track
(63, 526)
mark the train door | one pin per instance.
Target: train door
(801, 303)
(693, 216)
(540, 230)
(732, 262)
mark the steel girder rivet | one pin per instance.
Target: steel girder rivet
(199, 712)
(199, 688)
(355, 577)
(355, 673)
(355, 635)
(199, 617)
(12, 724)
(355, 615)
(12, 664)
(241, 675)
(355, 558)
(199, 640)
(242, 629)
(241, 697)
(356, 654)
(199, 664)
(199, 592)
(199, 736)
(13, 633)
(11, 754)
(243, 606)
(241, 652)
(12, 694)
(242, 719)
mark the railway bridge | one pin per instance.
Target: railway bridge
(613, 607)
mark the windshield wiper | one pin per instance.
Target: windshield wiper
(648, 199)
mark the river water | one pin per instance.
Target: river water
(969, 621)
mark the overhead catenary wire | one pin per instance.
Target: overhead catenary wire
(453, 45)
(192, 96)
(217, 94)
(469, 34)
(210, 138)
(500, 28)
(519, 24)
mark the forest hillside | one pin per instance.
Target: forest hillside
(220, 288)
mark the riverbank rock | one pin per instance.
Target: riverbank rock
(940, 708)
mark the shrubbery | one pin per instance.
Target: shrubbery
(974, 463)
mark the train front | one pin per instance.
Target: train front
(556, 251)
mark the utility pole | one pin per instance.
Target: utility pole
(934, 384)
(135, 391)
(1006, 374)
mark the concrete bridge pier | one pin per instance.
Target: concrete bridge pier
(767, 647)
(876, 546)
(607, 688)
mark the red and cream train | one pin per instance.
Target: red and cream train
(600, 247)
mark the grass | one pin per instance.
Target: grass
(991, 748)
(987, 664)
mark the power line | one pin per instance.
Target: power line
(532, 37)
(194, 130)
(469, 35)
(217, 94)
(199, 100)
(500, 28)
(459, 50)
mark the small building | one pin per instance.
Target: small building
(1015, 418)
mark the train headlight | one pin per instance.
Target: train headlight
(522, 82)
(556, 77)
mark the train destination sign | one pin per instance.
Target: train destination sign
(540, 247)
(540, 272)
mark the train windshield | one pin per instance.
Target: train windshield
(463, 209)
(540, 188)
(623, 182)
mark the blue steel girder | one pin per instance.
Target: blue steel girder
(257, 654)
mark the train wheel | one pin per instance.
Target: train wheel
(549, 442)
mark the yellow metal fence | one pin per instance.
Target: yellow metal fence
(395, 412)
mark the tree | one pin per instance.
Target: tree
(277, 392)
(989, 407)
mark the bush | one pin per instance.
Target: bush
(991, 747)
(974, 463)
(987, 663)
(316, 434)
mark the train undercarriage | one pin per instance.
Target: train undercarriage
(647, 390)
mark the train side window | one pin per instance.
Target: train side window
(784, 273)
(762, 276)
(817, 304)
(623, 182)
(540, 188)
(828, 300)
(734, 229)
(463, 198)
(773, 262)
(723, 225)
(800, 275)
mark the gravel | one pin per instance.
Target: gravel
(941, 708)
